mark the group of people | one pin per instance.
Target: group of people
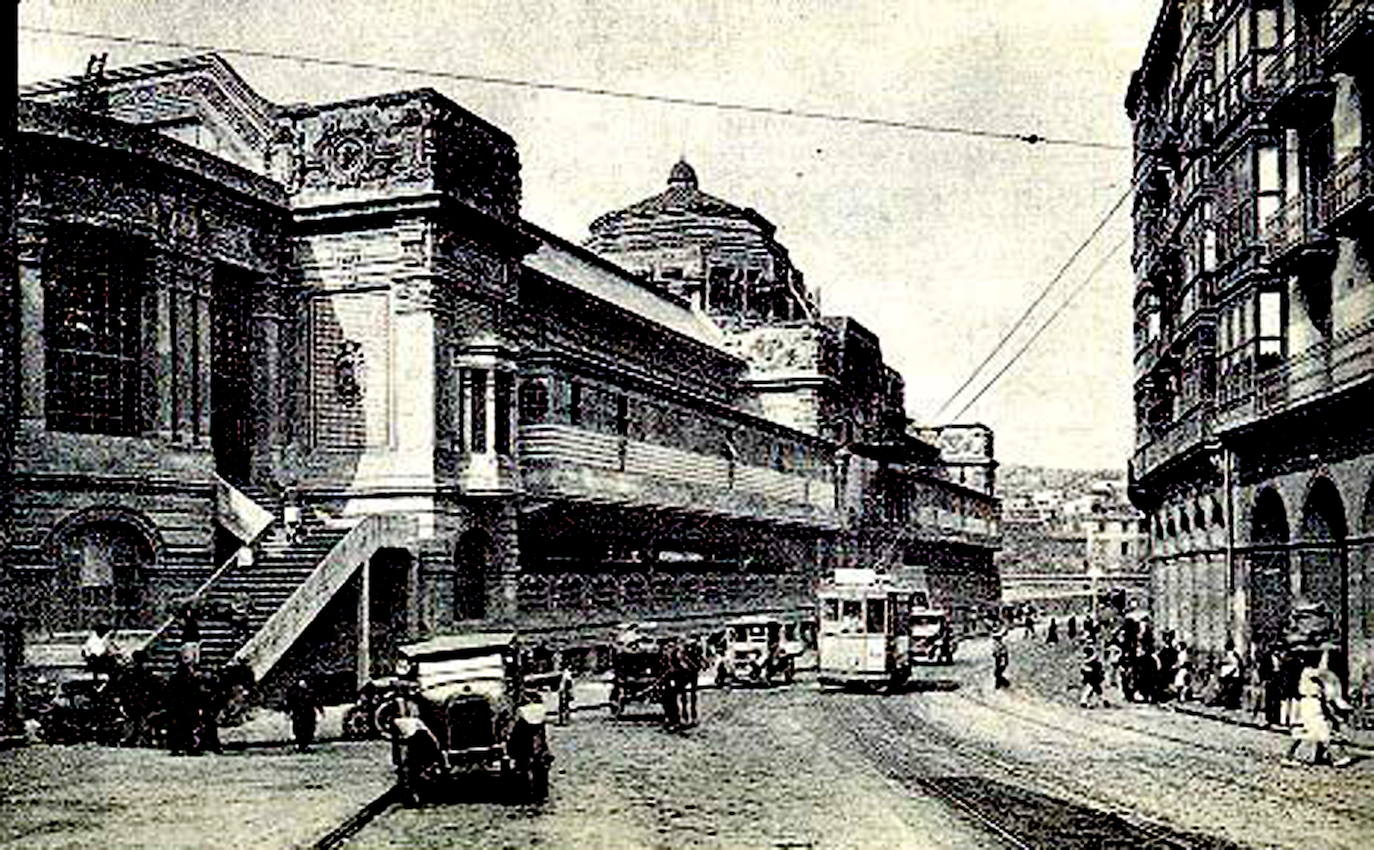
(682, 663)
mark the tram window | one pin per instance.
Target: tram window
(876, 618)
(831, 609)
(853, 610)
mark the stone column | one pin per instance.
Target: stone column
(202, 358)
(364, 669)
(264, 328)
(31, 238)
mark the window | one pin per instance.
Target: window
(505, 390)
(103, 564)
(830, 610)
(534, 401)
(1269, 329)
(1125, 548)
(473, 390)
(1268, 182)
(1266, 28)
(622, 415)
(92, 333)
(575, 403)
(877, 617)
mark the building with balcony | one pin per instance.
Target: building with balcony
(1254, 318)
(306, 374)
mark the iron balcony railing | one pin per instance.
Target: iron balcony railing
(1346, 22)
(1350, 186)
(1295, 67)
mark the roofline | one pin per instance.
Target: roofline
(300, 110)
(606, 264)
(210, 61)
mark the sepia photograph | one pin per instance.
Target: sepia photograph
(707, 424)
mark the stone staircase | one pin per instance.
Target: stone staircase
(240, 600)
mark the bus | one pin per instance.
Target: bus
(864, 635)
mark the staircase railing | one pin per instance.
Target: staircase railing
(265, 648)
(196, 596)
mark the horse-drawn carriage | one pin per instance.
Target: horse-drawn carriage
(461, 706)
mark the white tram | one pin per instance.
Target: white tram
(864, 635)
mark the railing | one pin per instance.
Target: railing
(1344, 21)
(1237, 230)
(1291, 225)
(556, 456)
(1321, 368)
(1350, 183)
(648, 593)
(1294, 66)
(1188, 430)
(196, 597)
(265, 648)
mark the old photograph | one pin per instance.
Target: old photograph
(935, 424)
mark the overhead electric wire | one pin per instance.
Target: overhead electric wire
(1040, 297)
(1049, 321)
(572, 88)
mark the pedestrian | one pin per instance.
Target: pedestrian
(667, 687)
(1183, 677)
(190, 635)
(304, 706)
(1146, 673)
(999, 661)
(1272, 664)
(1052, 632)
(1091, 672)
(183, 703)
(1319, 708)
(692, 662)
(1167, 657)
(565, 690)
(1111, 667)
(1230, 678)
(1030, 622)
(1073, 627)
(99, 652)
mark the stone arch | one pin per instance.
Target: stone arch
(471, 559)
(1270, 585)
(1322, 576)
(104, 557)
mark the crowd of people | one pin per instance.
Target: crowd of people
(1284, 685)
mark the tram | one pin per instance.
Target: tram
(864, 635)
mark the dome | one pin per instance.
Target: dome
(681, 198)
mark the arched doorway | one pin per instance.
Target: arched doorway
(1271, 588)
(471, 558)
(103, 565)
(1322, 565)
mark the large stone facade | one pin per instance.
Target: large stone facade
(1255, 320)
(336, 312)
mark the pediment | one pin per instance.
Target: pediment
(200, 100)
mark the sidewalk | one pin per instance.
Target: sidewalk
(260, 793)
(1051, 671)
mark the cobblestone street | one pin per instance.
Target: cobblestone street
(948, 764)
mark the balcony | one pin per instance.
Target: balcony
(568, 462)
(1347, 33)
(1238, 238)
(1291, 236)
(1179, 437)
(1348, 193)
(1327, 367)
(1244, 94)
(1302, 92)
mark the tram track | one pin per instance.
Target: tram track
(1225, 778)
(1005, 799)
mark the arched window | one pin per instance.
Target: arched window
(104, 564)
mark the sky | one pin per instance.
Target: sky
(936, 242)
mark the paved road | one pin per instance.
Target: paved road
(954, 765)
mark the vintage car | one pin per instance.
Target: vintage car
(754, 653)
(932, 636)
(462, 707)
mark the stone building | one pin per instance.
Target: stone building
(306, 370)
(1254, 317)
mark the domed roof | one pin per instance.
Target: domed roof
(682, 198)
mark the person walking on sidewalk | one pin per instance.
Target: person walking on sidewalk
(304, 707)
(1231, 678)
(1000, 661)
(1272, 662)
(1091, 672)
(1320, 708)
(1052, 632)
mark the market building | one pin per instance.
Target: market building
(306, 374)
(1254, 320)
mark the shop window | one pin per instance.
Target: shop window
(92, 333)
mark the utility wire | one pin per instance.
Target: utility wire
(1049, 321)
(571, 88)
(1044, 291)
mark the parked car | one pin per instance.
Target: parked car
(754, 653)
(462, 707)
